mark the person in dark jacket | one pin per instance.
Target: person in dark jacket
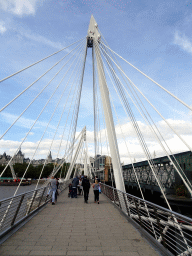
(75, 182)
(57, 191)
(86, 187)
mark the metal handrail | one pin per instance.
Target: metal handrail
(169, 229)
(14, 210)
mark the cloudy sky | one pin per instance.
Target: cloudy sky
(155, 36)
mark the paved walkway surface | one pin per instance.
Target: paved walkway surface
(72, 227)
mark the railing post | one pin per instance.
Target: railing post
(114, 195)
(159, 225)
(18, 207)
(32, 202)
(41, 198)
(137, 208)
(119, 197)
(126, 203)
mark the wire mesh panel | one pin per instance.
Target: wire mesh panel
(172, 230)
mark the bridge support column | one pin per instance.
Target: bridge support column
(117, 168)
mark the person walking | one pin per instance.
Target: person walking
(75, 182)
(86, 187)
(96, 187)
(57, 190)
(53, 188)
(80, 186)
(96, 178)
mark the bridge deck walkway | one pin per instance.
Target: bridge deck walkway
(72, 227)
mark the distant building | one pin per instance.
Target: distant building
(103, 164)
(4, 159)
(49, 158)
(19, 158)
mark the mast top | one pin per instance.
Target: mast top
(93, 32)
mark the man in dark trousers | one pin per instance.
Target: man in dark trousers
(86, 187)
(75, 182)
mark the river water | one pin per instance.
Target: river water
(8, 191)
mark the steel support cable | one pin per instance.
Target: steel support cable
(33, 124)
(88, 160)
(186, 105)
(54, 170)
(81, 155)
(39, 61)
(155, 124)
(152, 168)
(33, 101)
(168, 155)
(71, 148)
(36, 80)
(142, 110)
(186, 181)
(76, 154)
(67, 156)
(139, 135)
(113, 138)
(70, 131)
(110, 77)
(155, 109)
(146, 208)
(66, 120)
(63, 109)
(151, 127)
(53, 115)
(79, 98)
(75, 109)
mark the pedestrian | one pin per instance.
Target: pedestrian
(53, 188)
(80, 188)
(96, 187)
(75, 182)
(57, 190)
(86, 187)
(96, 178)
(70, 191)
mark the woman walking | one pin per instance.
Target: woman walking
(96, 187)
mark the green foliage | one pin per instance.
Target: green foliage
(33, 171)
(7, 173)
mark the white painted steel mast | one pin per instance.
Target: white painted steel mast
(93, 34)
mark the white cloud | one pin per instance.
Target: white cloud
(2, 27)
(23, 122)
(19, 7)
(40, 39)
(182, 41)
(182, 127)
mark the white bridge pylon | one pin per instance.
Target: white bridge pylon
(93, 34)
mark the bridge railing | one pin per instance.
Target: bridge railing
(17, 209)
(168, 228)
